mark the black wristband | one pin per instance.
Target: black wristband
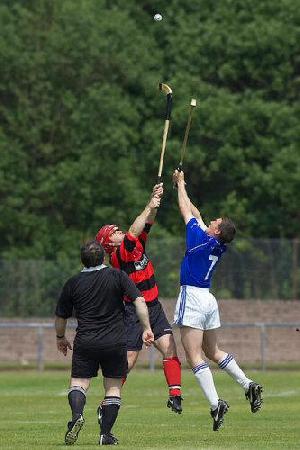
(60, 337)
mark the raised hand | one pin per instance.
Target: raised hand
(178, 176)
(154, 202)
(158, 190)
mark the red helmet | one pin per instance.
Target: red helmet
(103, 237)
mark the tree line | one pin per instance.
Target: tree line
(81, 117)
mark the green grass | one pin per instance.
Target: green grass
(34, 412)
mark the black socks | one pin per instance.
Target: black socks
(110, 408)
(77, 399)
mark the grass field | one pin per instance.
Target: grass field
(34, 412)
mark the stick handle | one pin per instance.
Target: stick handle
(179, 168)
(163, 148)
(187, 130)
(186, 136)
(166, 89)
(169, 106)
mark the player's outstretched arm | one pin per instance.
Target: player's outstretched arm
(142, 313)
(157, 191)
(141, 220)
(196, 213)
(190, 207)
(183, 199)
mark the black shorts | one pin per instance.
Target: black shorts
(87, 360)
(158, 321)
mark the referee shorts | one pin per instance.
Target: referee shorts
(158, 321)
(87, 359)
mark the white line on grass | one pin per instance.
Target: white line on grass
(290, 393)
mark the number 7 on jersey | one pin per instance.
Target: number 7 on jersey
(214, 260)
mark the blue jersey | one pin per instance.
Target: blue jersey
(203, 253)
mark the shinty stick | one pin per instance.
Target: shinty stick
(193, 104)
(168, 91)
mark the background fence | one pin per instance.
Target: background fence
(34, 342)
(251, 269)
(258, 326)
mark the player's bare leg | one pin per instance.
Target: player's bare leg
(226, 361)
(210, 346)
(77, 399)
(132, 357)
(172, 370)
(192, 339)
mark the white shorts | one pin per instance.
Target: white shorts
(196, 308)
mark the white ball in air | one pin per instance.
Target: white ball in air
(158, 17)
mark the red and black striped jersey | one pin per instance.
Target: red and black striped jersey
(131, 257)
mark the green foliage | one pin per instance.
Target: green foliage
(81, 118)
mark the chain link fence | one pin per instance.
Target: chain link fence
(251, 269)
(34, 343)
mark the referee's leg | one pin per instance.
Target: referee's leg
(77, 392)
(77, 399)
(77, 396)
(109, 409)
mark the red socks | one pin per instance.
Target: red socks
(172, 371)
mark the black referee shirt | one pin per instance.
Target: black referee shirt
(96, 295)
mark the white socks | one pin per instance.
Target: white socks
(228, 363)
(205, 379)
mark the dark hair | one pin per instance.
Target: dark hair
(92, 254)
(227, 230)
